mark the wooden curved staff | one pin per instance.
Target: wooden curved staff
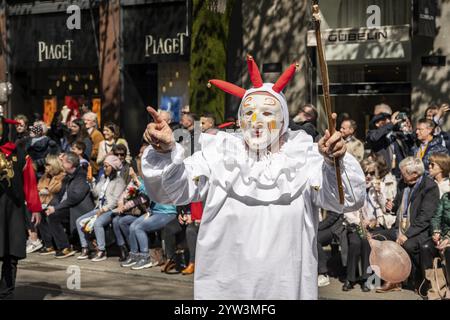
(326, 94)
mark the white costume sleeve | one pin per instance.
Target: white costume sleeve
(325, 192)
(171, 179)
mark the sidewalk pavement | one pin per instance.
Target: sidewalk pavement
(112, 267)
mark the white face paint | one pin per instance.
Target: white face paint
(261, 120)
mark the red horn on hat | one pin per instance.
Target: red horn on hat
(227, 87)
(253, 70)
(285, 78)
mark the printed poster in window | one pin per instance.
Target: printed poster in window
(50, 107)
(97, 108)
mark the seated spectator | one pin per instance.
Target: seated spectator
(49, 187)
(371, 217)
(120, 151)
(329, 230)
(107, 192)
(415, 204)
(439, 169)
(157, 217)
(439, 243)
(73, 200)
(188, 223)
(111, 132)
(79, 148)
(131, 205)
(39, 146)
(429, 144)
(193, 226)
(77, 132)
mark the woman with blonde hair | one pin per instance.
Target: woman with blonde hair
(439, 169)
(49, 186)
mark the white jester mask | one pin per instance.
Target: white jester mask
(261, 119)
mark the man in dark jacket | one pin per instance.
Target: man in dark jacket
(429, 144)
(18, 192)
(74, 201)
(416, 202)
(306, 120)
(386, 138)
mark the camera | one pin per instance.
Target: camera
(402, 116)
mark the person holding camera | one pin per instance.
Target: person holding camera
(391, 137)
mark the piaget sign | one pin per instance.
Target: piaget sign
(155, 45)
(62, 51)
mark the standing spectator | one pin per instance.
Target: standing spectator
(74, 200)
(306, 120)
(49, 187)
(189, 140)
(386, 139)
(437, 115)
(429, 144)
(90, 120)
(439, 244)
(111, 132)
(382, 108)
(78, 132)
(354, 146)
(415, 204)
(22, 133)
(107, 192)
(207, 123)
(439, 169)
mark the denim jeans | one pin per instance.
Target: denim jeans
(142, 226)
(121, 227)
(99, 228)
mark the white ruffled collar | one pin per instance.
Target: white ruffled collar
(277, 177)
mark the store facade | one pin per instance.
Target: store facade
(48, 63)
(155, 60)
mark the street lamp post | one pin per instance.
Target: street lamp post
(5, 91)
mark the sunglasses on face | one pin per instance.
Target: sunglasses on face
(119, 154)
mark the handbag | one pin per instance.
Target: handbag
(436, 275)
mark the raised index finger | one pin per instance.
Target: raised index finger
(154, 114)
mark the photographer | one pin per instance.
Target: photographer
(391, 137)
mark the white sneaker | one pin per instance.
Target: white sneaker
(323, 281)
(34, 246)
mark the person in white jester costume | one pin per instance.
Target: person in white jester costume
(261, 189)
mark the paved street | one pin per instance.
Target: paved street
(45, 278)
